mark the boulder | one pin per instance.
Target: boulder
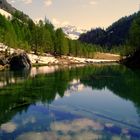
(3, 61)
(1, 67)
(19, 61)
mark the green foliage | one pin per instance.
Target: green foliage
(21, 16)
(135, 33)
(114, 35)
(22, 32)
(133, 43)
(7, 32)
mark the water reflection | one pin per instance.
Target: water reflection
(99, 102)
(11, 77)
(43, 70)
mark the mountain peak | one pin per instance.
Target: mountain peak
(72, 31)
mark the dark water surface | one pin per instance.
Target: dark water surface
(71, 103)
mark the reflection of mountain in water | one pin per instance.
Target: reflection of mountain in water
(75, 85)
(45, 87)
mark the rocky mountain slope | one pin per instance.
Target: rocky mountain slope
(115, 35)
(6, 6)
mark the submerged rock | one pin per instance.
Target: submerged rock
(20, 61)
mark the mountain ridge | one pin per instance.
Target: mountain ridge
(115, 35)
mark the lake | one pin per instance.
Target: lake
(70, 103)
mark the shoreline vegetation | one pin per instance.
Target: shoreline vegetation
(45, 59)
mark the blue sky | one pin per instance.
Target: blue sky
(84, 14)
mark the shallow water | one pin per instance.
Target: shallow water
(71, 103)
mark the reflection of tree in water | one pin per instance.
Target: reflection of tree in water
(119, 79)
(17, 97)
(10, 77)
(42, 88)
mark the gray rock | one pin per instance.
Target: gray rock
(3, 61)
(19, 61)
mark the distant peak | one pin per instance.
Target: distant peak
(72, 32)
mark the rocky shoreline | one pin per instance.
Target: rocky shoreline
(17, 59)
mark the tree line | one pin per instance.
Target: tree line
(122, 37)
(22, 32)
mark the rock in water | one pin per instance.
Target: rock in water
(20, 61)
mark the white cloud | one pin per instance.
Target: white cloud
(11, 1)
(93, 2)
(56, 22)
(27, 1)
(83, 129)
(64, 23)
(90, 3)
(48, 2)
(24, 1)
